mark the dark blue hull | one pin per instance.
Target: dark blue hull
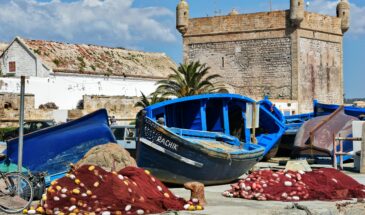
(326, 109)
(51, 150)
(175, 159)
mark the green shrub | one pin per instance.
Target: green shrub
(4, 130)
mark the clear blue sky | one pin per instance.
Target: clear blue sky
(149, 25)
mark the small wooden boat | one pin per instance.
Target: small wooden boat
(271, 128)
(321, 109)
(201, 138)
(295, 122)
(52, 149)
(316, 137)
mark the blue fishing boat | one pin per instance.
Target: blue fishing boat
(326, 109)
(52, 149)
(202, 138)
(271, 128)
(294, 122)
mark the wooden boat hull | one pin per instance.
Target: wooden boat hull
(52, 149)
(315, 138)
(272, 127)
(177, 160)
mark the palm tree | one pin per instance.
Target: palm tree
(145, 101)
(188, 79)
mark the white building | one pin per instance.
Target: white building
(75, 70)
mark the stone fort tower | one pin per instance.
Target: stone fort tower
(290, 55)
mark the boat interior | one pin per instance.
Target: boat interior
(217, 119)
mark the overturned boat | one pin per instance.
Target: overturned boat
(317, 136)
(204, 138)
(53, 149)
(295, 122)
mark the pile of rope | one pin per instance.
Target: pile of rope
(321, 184)
(92, 190)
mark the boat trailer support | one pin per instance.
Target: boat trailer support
(341, 153)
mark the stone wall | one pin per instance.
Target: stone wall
(253, 67)
(9, 110)
(265, 54)
(320, 72)
(121, 107)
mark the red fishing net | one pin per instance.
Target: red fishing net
(92, 189)
(322, 184)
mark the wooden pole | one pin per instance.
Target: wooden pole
(362, 158)
(334, 152)
(254, 123)
(341, 155)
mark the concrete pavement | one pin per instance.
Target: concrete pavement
(220, 205)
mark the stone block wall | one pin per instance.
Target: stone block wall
(320, 72)
(121, 107)
(9, 110)
(253, 67)
(265, 54)
(12, 101)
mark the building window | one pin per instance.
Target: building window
(223, 62)
(12, 66)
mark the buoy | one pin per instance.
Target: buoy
(31, 212)
(128, 207)
(191, 208)
(186, 207)
(296, 198)
(76, 191)
(288, 183)
(72, 208)
(140, 211)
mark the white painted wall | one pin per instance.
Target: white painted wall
(357, 132)
(287, 107)
(67, 90)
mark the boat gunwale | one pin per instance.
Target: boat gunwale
(200, 97)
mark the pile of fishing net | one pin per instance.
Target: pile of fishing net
(321, 184)
(92, 190)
